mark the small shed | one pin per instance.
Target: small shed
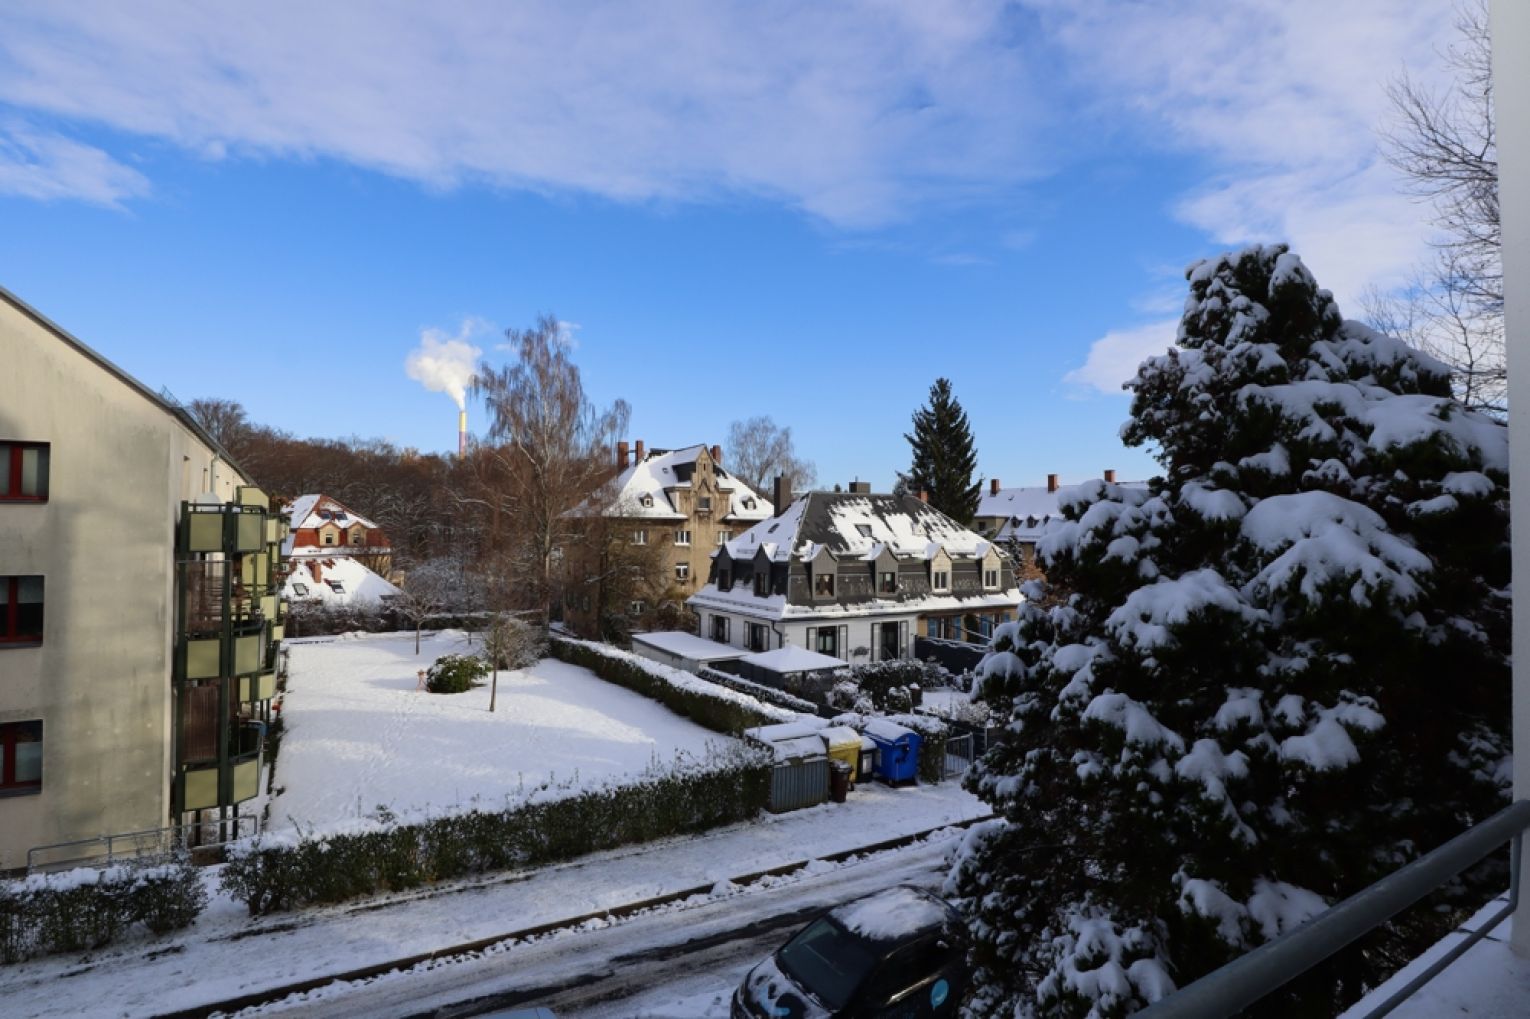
(684, 650)
(897, 750)
(800, 777)
(783, 664)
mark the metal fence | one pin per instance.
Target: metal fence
(145, 846)
(799, 783)
(959, 755)
(1244, 981)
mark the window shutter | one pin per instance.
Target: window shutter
(842, 646)
(812, 638)
(903, 640)
(876, 642)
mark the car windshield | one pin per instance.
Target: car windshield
(827, 960)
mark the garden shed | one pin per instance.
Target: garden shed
(684, 650)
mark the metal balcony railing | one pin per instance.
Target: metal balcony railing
(1266, 969)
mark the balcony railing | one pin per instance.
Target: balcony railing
(1244, 981)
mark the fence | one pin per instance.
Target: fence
(959, 756)
(954, 655)
(799, 783)
(140, 846)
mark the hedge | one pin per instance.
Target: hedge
(90, 907)
(272, 872)
(768, 694)
(707, 704)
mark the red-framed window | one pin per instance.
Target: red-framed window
(23, 471)
(21, 610)
(20, 757)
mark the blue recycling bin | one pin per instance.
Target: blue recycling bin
(897, 750)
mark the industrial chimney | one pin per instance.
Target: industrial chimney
(461, 434)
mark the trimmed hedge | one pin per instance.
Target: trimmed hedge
(89, 907)
(704, 703)
(274, 872)
(769, 694)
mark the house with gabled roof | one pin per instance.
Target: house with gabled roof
(856, 576)
(323, 525)
(1014, 517)
(675, 506)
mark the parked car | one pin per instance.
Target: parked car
(898, 954)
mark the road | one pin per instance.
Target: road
(681, 960)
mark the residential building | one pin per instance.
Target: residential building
(323, 525)
(1014, 517)
(856, 576)
(671, 508)
(335, 581)
(138, 614)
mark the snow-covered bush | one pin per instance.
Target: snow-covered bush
(511, 643)
(893, 685)
(278, 871)
(455, 673)
(90, 907)
(1261, 684)
(707, 704)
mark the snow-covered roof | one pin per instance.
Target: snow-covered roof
(641, 491)
(1026, 510)
(689, 646)
(314, 511)
(895, 913)
(858, 525)
(341, 581)
(791, 658)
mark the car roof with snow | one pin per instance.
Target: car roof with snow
(895, 914)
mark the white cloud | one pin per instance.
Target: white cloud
(445, 362)
(1114, 357)
(853, 112)
(45, 166)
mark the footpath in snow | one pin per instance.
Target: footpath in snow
(227, 953)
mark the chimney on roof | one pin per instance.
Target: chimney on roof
(621, 455)
(783, 493)
(317, 570)
(716, 452)
(993, 486)
(1110, 477)
(924, 496)
(1051, 482)
(860, 487)
(638, 453)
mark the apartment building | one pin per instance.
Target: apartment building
(138, 616)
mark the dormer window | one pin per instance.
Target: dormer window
(990, 580)
(887, 582)
(864, 530)
(646, 502)
(941, 580)
(749, 504)
(725, 580)
(703, 504)
(761, 583)
(823, 585)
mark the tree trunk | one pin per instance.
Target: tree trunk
(494, 685)
(419, 624)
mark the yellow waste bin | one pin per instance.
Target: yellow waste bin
(844, 744)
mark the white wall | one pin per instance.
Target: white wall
(1511, 91)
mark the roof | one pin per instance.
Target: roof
(853, 524)
(640, 492)
(689, 646)
(1026, 510)
(314, 511)
(791, 658)
(358, 585)
(163, 399)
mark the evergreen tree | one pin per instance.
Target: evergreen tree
(1274, 676)
(944, 457)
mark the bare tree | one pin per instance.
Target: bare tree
(554, 444)
(511, 643)
(759, 449)
(427, 590)
(1445, 148)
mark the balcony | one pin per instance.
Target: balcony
(205, 781)
(229, 528)
(240, 651)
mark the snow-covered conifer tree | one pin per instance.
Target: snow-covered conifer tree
(1259, 685)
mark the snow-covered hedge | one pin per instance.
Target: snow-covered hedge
(276, 871)
(91, 907)
(768, 694)
(707, 704)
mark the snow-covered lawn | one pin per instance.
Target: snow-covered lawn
(359, 735)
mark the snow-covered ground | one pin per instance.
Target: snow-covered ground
(359, 735)
(226, 953)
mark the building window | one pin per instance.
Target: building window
(682, 571)
(329, 537)
(990, 580)
(825, 642)
(682, 537)
(23, 471)
(301, 590)
(20, 758)
(358, 536)
(21, 610)
(823, 585)
(723, 537)
(758, 637)
(703, 504)
(942, 580)
(761, 583)
(646, 501)
(636, 607)
(887, 582)
(724, 580)
(864, 530)
(749, 504)
(720, 629)
(336, 586)
(640, 537)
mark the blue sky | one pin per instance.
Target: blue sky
(806, 211)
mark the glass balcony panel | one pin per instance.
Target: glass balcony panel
(247, 653)
(268, 606)
(201, 788)
(278, 631)
(246, 780)
(249, 495)
(250, 532)
(205, 533)
(202, 659)
(262, 569)
(273, 530)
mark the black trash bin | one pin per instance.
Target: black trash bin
(839, 781)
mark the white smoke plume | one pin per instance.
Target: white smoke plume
(444, 363)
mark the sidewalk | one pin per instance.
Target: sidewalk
(227, 953)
